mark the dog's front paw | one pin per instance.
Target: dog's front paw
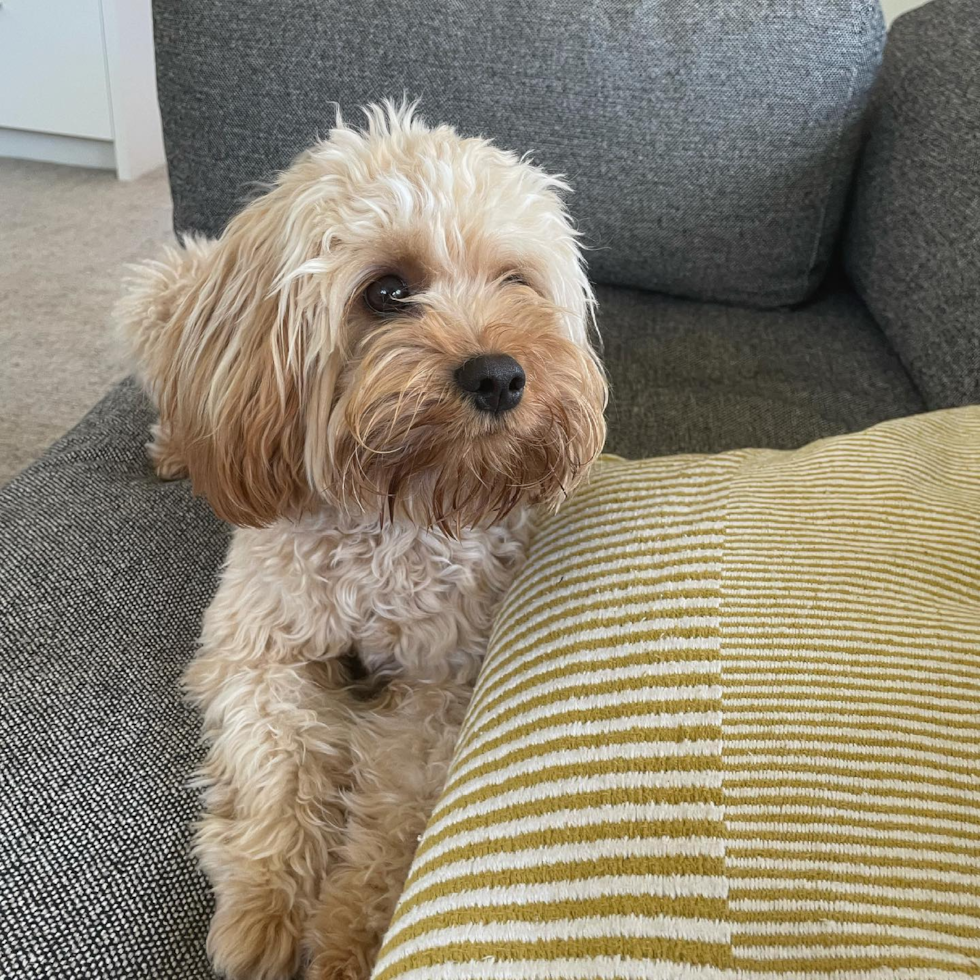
(254, 938)
(347, 966)
(163, 452)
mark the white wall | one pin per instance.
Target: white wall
(893, 8)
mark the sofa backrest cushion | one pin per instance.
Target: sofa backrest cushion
(913, 243)
(710, 143)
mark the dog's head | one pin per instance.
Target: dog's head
(400, 324)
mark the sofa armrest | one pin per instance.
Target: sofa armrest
(913, 244)
(104, 574)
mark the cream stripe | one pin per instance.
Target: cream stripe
(594, 968)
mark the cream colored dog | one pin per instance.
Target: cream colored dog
(379, 372)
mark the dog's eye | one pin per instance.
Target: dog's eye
(387, 294)
(516, 279)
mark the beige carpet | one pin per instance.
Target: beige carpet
(65, 236)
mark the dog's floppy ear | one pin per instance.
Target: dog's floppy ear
(225, 336)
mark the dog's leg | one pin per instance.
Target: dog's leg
(400, 754)
(277, 763)
(165, 455)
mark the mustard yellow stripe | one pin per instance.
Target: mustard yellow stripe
(846, 874)
(678, 559)
(660, 636)
(559, 835)
(813, 737)
(687, 952)
(837, 965)
(613, 712)
(884, 659)
(876, 691)
(640, 501)
(642, 797)
(919, 577)
(865, 776)
(579, 770)
(558, 694)
(834, 916)
(690, 506)
(861, 626)
(679, 735)
(879, 824)
(741, 941)
(767, 703)
(618, 629)
(804, 892)
(647, 906)
(672, 706)
(672, 866)
(796, 636)
(781, 755)
(652, 657)
(827, 796)
(603, 551)
(787, 852)
(880, 838)
(631, 594)
(742, 709)
(776, 599)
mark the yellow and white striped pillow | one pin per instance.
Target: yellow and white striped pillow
(728, 727)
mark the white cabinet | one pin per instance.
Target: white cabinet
(77, 84)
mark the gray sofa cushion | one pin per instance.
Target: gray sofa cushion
(913, 246)
(104, 574)
(710, 142)
(694, 377)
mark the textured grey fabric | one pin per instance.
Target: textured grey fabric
(695, 377)
(710, 142)
(104, 573)
(913, 246)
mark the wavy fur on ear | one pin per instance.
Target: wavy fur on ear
(224, 337)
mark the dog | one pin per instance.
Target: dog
(380, 373)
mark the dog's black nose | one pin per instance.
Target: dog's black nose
(495, 382)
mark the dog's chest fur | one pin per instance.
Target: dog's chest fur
(407, 600)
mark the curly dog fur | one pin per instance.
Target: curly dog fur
(381, 509)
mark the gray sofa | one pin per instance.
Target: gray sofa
(785, 237)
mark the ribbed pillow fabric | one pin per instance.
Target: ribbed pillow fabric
(728, 727)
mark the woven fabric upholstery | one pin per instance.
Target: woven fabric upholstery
(104, 575)
(710, 142)
(913, 244)
(727, 729)
(697, 377)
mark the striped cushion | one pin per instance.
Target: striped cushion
(728, 727)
